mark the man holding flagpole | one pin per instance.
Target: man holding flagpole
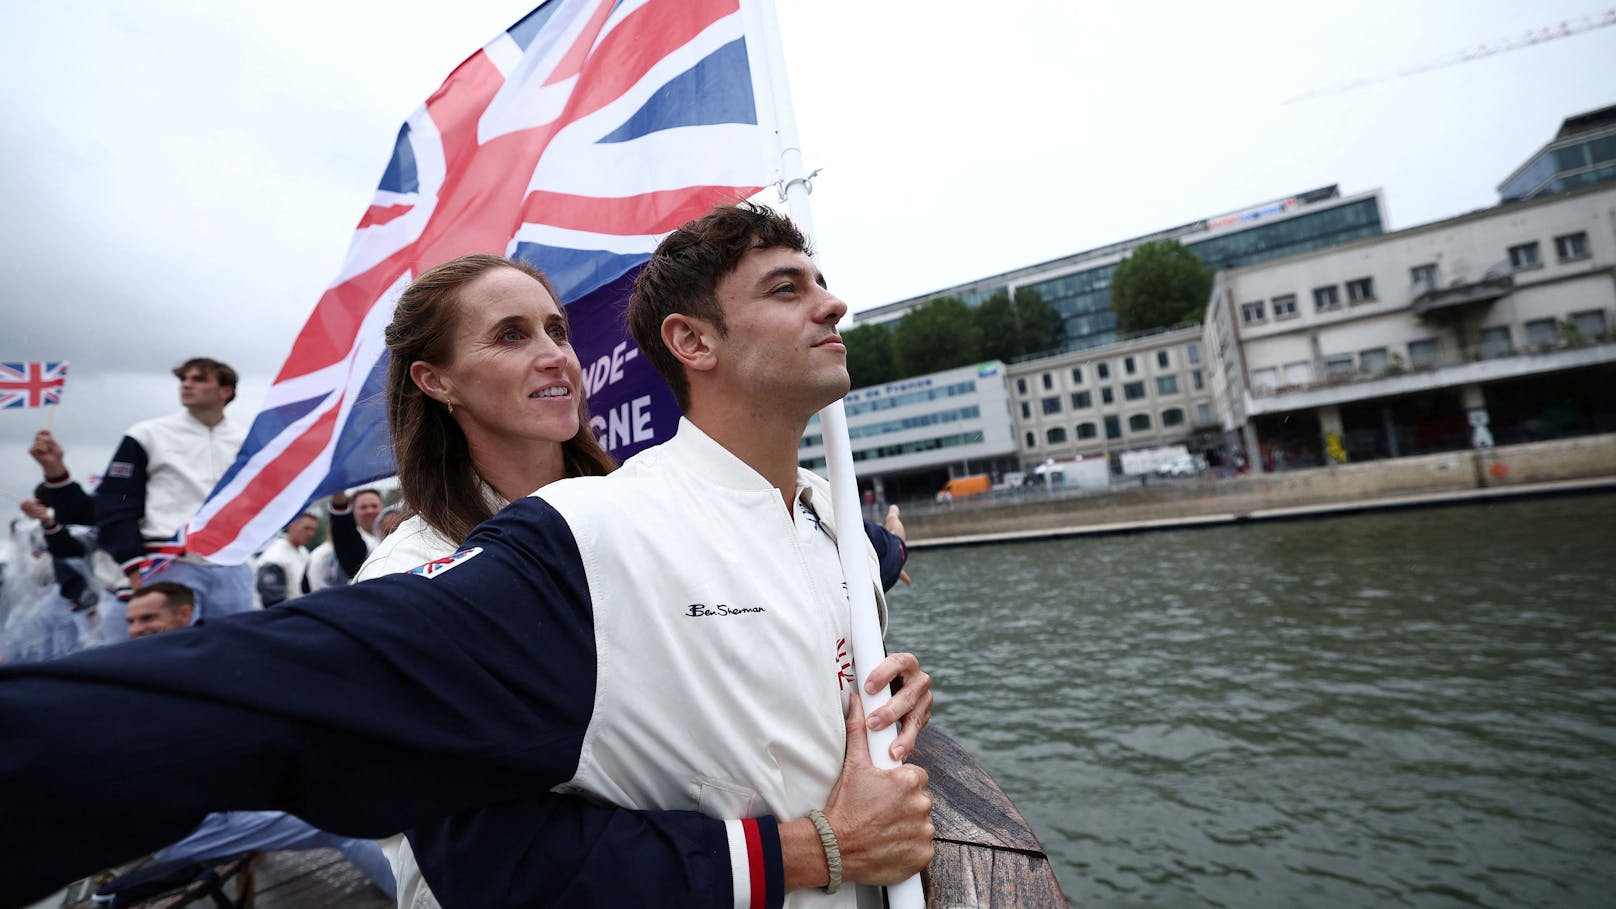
(666, 637)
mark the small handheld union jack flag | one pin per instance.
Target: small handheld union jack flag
(35, 384)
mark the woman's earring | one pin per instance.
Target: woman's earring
(450, 405)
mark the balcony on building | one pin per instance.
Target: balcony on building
(1462, 296)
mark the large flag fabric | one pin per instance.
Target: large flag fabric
(575, 140)
(33, 384)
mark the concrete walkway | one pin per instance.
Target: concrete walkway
(1291, 513)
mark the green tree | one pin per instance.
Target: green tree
(1031, 326)
(938, 334)
(1160, 284)
(869, 354)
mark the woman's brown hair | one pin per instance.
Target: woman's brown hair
(434, 462)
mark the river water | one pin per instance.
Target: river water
(1409, 708)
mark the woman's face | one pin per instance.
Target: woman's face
(513, 378)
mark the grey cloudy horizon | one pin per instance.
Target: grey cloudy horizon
(182, 178)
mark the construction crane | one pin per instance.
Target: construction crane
(1537, 36)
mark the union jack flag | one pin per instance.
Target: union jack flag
(438, 566)
(35, 384)
(159, 556)
(575, 140)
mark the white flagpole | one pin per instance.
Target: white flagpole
(868, 649)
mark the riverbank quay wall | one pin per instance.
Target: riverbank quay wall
(1585, 463)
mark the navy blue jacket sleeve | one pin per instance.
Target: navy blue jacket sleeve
(79, 594)
(567, 851)
(72, 504)
(120, 503)
(347, 543)
(364, 710)
(62, 544)
(889, 549)
(270, 581)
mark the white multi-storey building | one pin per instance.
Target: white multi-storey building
(1143, 392)
(1491, 327)
(909, 437)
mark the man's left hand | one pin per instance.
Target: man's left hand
(911, 701)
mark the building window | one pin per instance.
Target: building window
(1192, 352)
(1077, 375)
(1087, 431)
(1541, 334)
(1252, 313)
(1032, 440)
(1162, 360)
(1105, 395)
(1103, 370)
(1056, 435)
(1495, 342)
(1525, 256)
(1113, 427)
(1195, 380)
(1133, 391)
(1167, 385)
(1264, 380)
(1203, 413)
(1572, 246)
(1326, 298)
(1172, 416)
(1590, 324)
(1284, 306)
(1049, 381)
(1128, 365)
(1026, 410)
(1361, 290)
(1338, 367)
(1299, 374)
(1422, 354)
(1021, 386)
(1373, 361)
(1422, 277)
(1082, 399)
(1051, 405)
(1139, 422)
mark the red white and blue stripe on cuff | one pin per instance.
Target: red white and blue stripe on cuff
(757, 870)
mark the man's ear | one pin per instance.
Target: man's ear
(431, 381)
(690, 340)
(185, 612)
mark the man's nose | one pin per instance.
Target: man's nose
(833, 307)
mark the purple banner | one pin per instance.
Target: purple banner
(630, 407)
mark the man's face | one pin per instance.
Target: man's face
(301, 531)
(198, 389)
(781, 346)
(366, 507)
(149, 614)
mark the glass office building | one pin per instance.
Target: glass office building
(1079, 286)
(1583, 152)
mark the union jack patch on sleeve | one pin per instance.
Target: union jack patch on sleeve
(438, 566)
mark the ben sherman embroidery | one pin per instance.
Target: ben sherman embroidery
(701, 611)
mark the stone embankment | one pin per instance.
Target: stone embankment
(1563, 466)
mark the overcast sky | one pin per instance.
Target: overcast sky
(181, 177)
